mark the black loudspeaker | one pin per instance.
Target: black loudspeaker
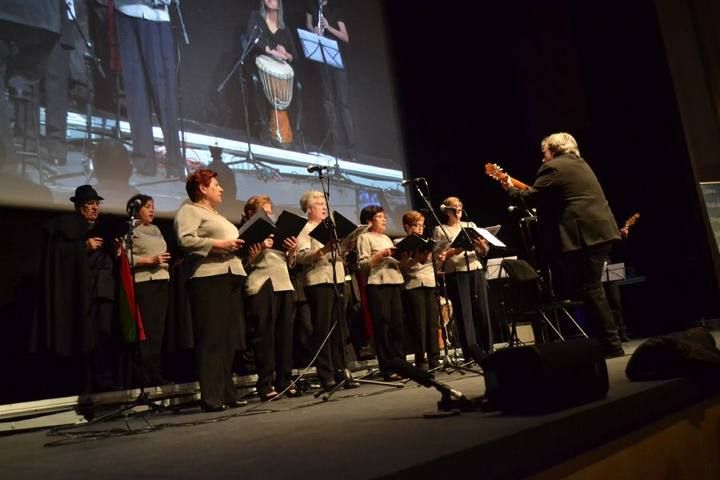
(545, 377)
(692, 353)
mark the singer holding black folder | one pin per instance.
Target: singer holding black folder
(271, 304)
(215, 287)
(384, 288)
(322, 273)
(420, 302)
(152, 276)
(465, 279)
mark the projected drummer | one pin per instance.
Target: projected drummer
(274, 52)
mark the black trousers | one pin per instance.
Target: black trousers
(147, 53)
(468, 292)
(385, 304)
(421, 310)
(614, 297)
(152, 299)
(7, 139)
(218, 319)
(336, 103)
(325, 308)
(586, 266)
(56, 76)
(270, 327)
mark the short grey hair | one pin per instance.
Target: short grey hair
(308, 197)
(559, 144)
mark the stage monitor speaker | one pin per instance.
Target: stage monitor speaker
(545, 377)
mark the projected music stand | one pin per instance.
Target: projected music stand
(320, 49)
(324, 51)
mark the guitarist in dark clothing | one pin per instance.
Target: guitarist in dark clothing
(577, 225)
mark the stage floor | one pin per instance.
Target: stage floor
(370, 432)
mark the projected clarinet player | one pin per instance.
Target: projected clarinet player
(215, 287)
(271, 308)
(150, 258)
(466, 282)
(384, 287)
(321, 277)
(577, 225)
(336, 90)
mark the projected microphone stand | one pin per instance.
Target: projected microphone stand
(243, 90)
(338, 302)
(90, 60)
(448, 364)
(178, 75)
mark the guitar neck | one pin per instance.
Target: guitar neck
(518, 184)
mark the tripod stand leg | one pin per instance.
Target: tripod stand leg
(554, 329)
(574, 322)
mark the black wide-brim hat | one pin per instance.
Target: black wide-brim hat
(85, 193)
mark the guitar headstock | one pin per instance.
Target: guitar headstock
(631, 220)
(493, 170)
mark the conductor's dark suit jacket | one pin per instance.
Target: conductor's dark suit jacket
(572, 208)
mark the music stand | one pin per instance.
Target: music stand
(320, 49)
(327, 52)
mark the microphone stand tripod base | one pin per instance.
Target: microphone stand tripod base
(441, 414)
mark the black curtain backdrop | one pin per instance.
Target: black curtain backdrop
(486, 82)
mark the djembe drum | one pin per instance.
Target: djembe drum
(277, 80)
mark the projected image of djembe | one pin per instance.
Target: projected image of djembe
(277, 81)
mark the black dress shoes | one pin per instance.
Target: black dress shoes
(235, 404)
(328, 385)
(350, 384)
(346, 377)
(212, 407)
(615, 352)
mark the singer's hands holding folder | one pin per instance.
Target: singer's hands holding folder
(325, 249)
(481, 245)
(228, 246)
(378, 257)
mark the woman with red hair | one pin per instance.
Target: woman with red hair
(215, 287)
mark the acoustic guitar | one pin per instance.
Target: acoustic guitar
(493, 170)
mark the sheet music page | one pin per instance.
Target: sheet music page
(492, 239)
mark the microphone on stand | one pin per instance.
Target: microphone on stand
(515, 209)
(445, 208)
(408, 181)
(133, 208)
(315, 168)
